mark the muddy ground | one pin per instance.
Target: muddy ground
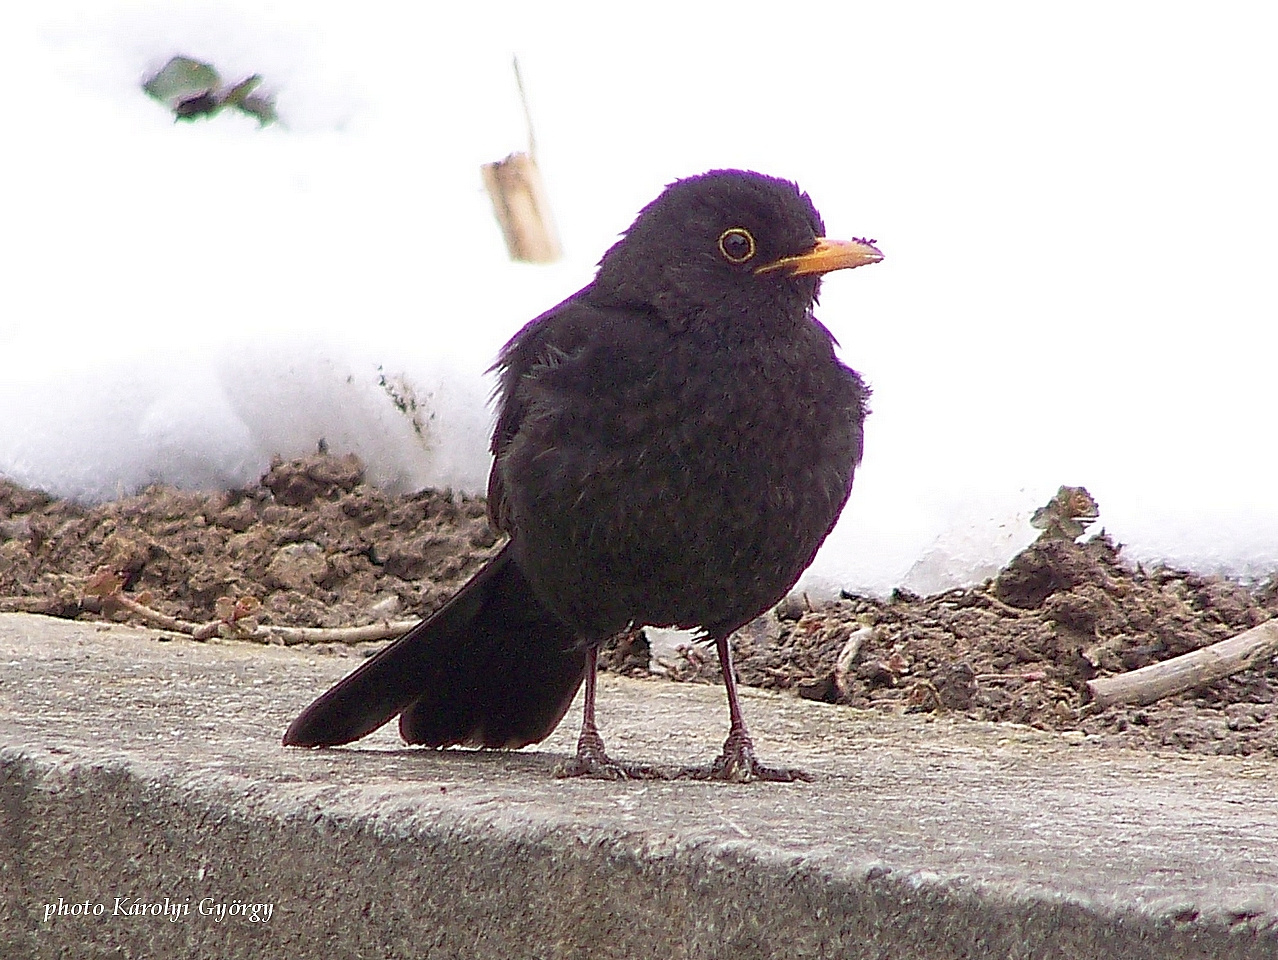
(319, 547)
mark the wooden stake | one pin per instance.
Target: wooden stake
(519, 199)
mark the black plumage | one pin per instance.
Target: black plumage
(673, 443)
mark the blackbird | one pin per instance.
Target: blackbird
(673, 443)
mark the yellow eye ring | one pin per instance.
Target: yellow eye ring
(736, 245)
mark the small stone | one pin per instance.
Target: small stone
(385, 608)
(297, 566)
(791, 607)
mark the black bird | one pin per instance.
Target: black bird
(673, 443)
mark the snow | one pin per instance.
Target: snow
(1076, 211)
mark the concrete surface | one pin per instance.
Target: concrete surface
(149, 811)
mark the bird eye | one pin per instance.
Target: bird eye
(736, 245)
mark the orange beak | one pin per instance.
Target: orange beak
(825, 256)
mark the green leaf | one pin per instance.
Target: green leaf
(192, 89)
(239, 93)
(180, 80)
(201, 105)
(261, 107)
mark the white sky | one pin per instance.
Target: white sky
(1075, 203)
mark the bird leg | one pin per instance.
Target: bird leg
(591, 759)
(738, 763)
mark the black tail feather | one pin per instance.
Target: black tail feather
(491, 668)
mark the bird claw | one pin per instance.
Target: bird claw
(594, 763)
(735, 770)
(595, 768)
(738, 764)
(605, 768)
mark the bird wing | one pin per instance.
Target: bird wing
(560, 335)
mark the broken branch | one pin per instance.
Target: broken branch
(1194, 669)
(372, 631)
(235, 619)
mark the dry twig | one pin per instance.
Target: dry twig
(1194, 669)
(236, 619)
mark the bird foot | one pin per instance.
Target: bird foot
(605, 768)
(593, 762)
(738, 764)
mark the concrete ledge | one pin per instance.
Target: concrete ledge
(145, 770)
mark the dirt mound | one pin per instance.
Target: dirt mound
(1022, 647)
(312, 542)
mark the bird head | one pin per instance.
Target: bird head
(723, 246)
